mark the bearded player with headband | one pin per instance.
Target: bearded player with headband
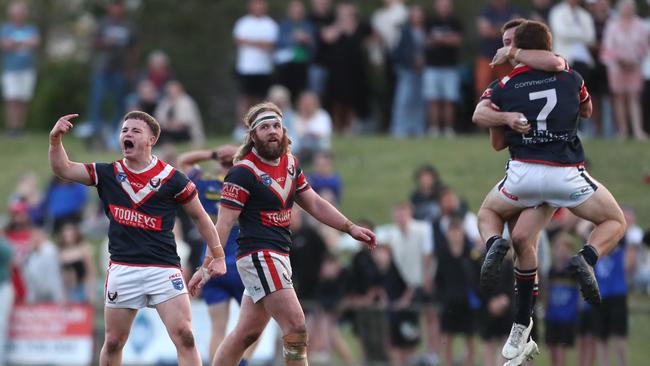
(259, 191)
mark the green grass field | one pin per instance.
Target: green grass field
(378, 171)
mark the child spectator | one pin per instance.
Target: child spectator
(562, 302)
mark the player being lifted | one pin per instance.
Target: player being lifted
(259, 191)
(539, 112)
(141, 194)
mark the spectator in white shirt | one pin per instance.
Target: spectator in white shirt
(255, 35)
(313, 126)
(411, 247)
(573, 32)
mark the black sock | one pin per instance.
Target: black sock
(491, 241)
(525, 282)
(590, 254)
(535, 296)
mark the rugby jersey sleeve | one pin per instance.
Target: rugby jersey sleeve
(237, 186)
(98, 172)
(301, 181)
(184, 189)
(583, 93)
(491, 93)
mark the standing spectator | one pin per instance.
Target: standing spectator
(347, 87)
(294, 48)
(19, 41)
(456, 282)
(158, 71)
(330, 291)
(408, 105)
(368, 271)
(255, 35)
(19, 231)
(441, 78)
(425, 197)
(281, 96)
(77, 265)
(63, 202)
(541, 11)
(573, 32)
(6, 294)
(497, 315)
(42, 272)
(625, 44)
(450, 208)
(146, 97)
(598, 86)
(561, 317)
(324, 178)
(321, 16)
(313, 126)
(611, 317)
(489, 24)
(411, 250)
(179, 117)
(114, 43)
(387, 23)
(307, 256)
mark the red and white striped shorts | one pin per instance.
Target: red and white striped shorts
(264, 272)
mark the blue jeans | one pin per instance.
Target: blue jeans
(409, 118)
(112, 83)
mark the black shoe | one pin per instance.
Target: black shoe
(492, 265)
(583, 273)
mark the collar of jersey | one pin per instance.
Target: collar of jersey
(275, 162)
(154, 161)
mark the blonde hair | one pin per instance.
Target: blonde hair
(250, 117)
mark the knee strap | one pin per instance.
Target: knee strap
(295, 346)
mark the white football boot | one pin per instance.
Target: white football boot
(517, 340)
(529, 352)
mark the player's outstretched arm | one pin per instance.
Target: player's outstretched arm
(324, 212)
(201, 219)
(223, 154)
(536, 59)
(486, 115)
(61, 166)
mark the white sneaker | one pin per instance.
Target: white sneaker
(517, 340)
(530, 351)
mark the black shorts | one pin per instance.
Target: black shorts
(560, 334)
(610, 318)
(255, 85)
(586, 322)
(404, 328)
(495, 327)
(457, 319)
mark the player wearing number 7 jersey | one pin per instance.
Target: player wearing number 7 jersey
(536, 114)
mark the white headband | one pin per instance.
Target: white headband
(263, 117)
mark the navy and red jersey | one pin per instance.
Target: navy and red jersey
(551, 103)
(141, 207)
(265, 194)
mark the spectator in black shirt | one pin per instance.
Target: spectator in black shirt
(456, 281)
(441, 83)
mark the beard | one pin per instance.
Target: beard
(271, 151)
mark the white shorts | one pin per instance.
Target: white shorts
(139, 286)
(18, 85)
(264, 272)
(530, 185)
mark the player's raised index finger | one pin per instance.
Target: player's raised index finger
(69, 116)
